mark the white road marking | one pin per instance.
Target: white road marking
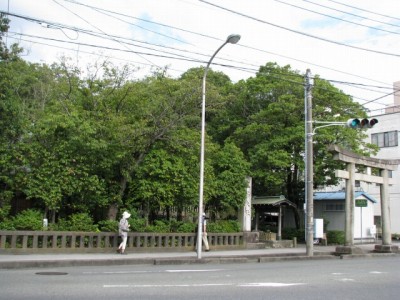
(121, 272)
(346, 279)
(377, 272)
(270, 284)
(184, 271)
(257, 284)
(165, 285)
(142, 272)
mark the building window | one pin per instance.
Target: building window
(334, 207)
(385, 139)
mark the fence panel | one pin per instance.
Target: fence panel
(78, 242)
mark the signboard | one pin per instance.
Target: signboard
(361, 203)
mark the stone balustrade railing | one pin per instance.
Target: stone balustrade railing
(80, 242)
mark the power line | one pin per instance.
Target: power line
(248, 70)
(382, 97)
(336, 18)
(147, 21)
(299, 32)
(351, 14)
(207, 36)
(216, 38)
(179, 57)
(114, 49)
(252, 48)
(96, 27)
(361, 9)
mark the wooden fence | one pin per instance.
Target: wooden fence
(81, 242)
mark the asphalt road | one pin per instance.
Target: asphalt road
(360, 278)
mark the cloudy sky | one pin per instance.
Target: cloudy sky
(355, 44)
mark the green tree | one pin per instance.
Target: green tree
(226, 193)
(12, 118)
(266, 120)
(167, 177)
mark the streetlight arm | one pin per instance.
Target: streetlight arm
(208, 66)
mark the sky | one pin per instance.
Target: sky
(352, 43)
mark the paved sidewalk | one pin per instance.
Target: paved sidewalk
(17, 261)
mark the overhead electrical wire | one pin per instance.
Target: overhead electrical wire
(300, 32)
(108, 12)
(374, 100)
(207, 36)
(146, 21)
(351, 14)
(111, 48)
(113, 38)
(188, 59)
(249, 70)
(336, 18)
(75, 14)
(74, 50)
(109, 36)
(361, 9)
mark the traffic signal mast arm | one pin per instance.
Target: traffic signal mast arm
(327, 124)
(351, 123)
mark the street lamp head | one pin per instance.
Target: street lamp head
(233, 38)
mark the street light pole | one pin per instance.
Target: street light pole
(231, 39)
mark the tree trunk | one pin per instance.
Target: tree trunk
(296, 217)
(112, 213)
(179, 214)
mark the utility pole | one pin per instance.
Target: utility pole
(309, 193)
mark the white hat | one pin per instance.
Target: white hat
(126, 215)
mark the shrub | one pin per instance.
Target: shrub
(335, 237)
(137, 225)
(187, 227)
(108, 226)
(223, 226)
(4, 212)
(77, 222)
(290, 233)
(159, 226)
(7, 225)
(29, 219)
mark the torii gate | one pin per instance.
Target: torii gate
(383, 165)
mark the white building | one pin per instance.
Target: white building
(385, 134)
(330, 206)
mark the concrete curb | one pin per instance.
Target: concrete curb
(8, 261)
(26, 264)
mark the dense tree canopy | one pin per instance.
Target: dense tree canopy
(97, 141)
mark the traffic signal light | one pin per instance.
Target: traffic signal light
(363, 123)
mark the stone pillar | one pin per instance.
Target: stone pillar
(385, 216)
(385, 209)
(245, 212)
(349, 206)
(349, 247)
(279, 235)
